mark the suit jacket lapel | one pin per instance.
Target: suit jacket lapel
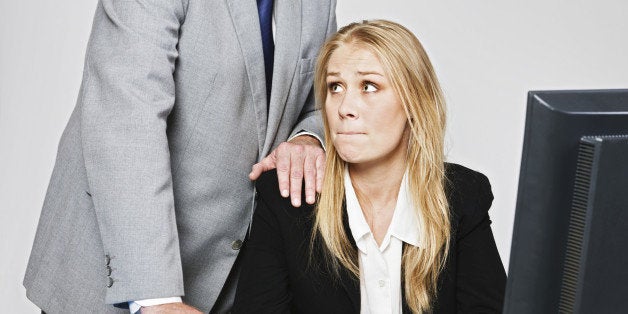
(287, 47)
(246, 23)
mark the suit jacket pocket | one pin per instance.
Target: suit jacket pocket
(304, 82)
(307, 65)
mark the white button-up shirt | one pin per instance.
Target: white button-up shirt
(380, 266)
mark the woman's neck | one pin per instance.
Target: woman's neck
(377, 188)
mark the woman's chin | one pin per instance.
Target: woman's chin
(350, 157)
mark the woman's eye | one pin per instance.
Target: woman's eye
(369, 87)
(335, 88)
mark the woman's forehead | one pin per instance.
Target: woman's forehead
(354, 59)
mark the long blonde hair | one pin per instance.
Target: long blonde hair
(410, 71)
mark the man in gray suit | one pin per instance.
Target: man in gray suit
(150, 197)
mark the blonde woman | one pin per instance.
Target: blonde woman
(395, 228)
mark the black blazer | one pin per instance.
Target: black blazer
(280, 274)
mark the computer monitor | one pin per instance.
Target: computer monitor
(563, 260)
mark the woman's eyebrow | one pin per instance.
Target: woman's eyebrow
(363, 73)
(360, 73)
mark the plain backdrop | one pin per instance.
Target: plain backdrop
(487, 54)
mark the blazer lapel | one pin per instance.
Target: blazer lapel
(246, 23)
(287, 47)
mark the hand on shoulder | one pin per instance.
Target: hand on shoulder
(301, 159)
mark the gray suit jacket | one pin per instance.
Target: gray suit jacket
(149, 194)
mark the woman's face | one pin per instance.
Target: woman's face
(365, 116)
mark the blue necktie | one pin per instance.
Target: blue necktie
(265, 11)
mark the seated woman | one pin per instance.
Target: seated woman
(395, 228)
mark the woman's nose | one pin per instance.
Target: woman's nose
(348, 105)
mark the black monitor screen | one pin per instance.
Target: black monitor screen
(556, 121)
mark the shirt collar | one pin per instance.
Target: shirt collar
(357, 222)
(405, 222)
(403, 226)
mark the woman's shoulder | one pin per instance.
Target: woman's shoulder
(462, 179)
(468, 191)
(267, 185)
(267, 192)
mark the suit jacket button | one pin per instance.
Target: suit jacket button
(236, 245)
(109, 282)
(108, 270)
(107, 259)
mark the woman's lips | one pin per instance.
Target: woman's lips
(350, 133)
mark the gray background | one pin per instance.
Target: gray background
(488, 54)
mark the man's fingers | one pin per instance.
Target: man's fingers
(309, 176)
(256, 171)
(265, 164)
(283, 164)
(320, 172)
(297, 158)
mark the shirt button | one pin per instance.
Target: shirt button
(382, 283)
(236, 245)
(108, 270)
(107, 259)
(109, 282)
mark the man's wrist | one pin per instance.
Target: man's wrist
(135, 306)
(308, 134)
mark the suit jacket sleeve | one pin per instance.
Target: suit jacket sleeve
(263, 285)
(126, 96)
(481, 278)
(310, 118)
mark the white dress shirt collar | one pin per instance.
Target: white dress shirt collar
(403, 226)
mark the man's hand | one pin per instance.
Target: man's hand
(170, 308)
(302, 158)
